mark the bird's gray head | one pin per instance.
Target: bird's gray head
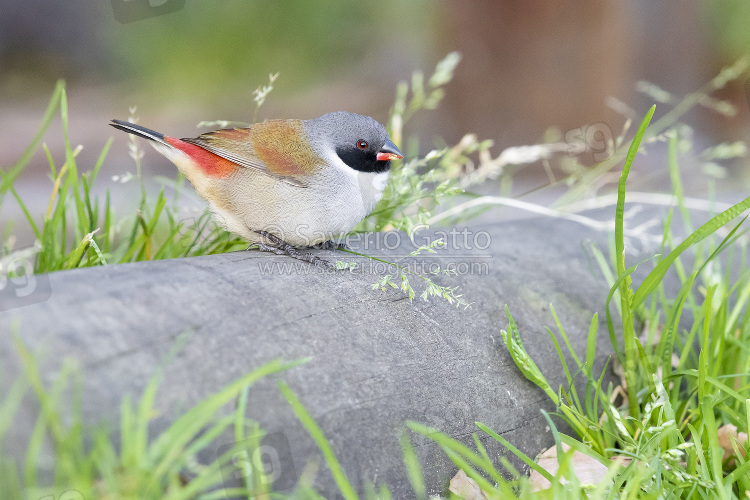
(360, 141)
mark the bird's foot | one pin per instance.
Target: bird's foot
(332, 245)
(281, 247)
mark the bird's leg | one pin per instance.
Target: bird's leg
(281, 247)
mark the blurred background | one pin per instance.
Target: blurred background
(529, 71)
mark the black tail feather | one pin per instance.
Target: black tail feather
(134, 129)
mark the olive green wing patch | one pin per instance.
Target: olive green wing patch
(241, 146)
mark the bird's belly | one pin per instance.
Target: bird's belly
(301, 217)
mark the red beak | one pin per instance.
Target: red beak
(389, 151)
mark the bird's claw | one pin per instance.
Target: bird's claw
(333, 245)
(281, 247)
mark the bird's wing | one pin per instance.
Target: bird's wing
(277, 148)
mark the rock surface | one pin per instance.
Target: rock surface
(377, 358)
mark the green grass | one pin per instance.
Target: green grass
(684, 355)
(86, 461)
(78, 229)
(669, 416)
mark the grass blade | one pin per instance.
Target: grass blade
(339, 475)
(413, 467)
(10, 176)
(657, 274)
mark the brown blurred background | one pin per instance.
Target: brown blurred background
(527, 67)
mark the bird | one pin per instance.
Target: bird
(285, 184)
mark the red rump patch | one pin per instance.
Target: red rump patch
(211, 164)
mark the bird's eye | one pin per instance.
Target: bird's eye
(361, 144)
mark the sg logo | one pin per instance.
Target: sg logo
(127, 11)
(19, 286)
(269, 460)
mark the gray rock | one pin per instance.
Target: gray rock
(377, 358)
